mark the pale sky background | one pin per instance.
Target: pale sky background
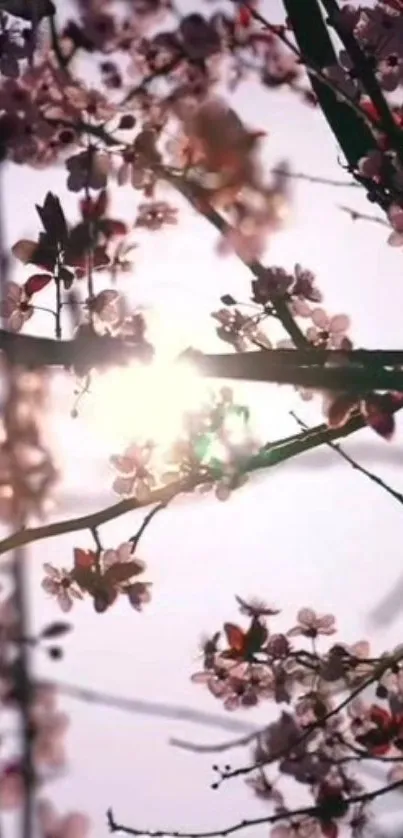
(311, 532)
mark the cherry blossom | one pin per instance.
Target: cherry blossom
(11, 787)
(15, 307)
(395, 215)
(134, 474)
(303, 828)
(123, 553)
(328, 331)
(311, 624)
(155, 215)
(73, 825)
(60, 584)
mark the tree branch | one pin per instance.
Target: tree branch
(302, 368)
(270, 455)
(353, 463)
(366, 797)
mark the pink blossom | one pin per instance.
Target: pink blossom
(134, 473)
(11, 787)
(60, 584)
(15, 307)
(311, 624)
(395, 215)
(395, 774)
(109, 310)
(304, 827)
(123, 553)
(73, 825)
(328, 331)
(155, 215)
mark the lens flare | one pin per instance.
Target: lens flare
(144, 402)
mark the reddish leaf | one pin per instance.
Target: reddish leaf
(340, 410)
(244, 16)
(85, 578)
(94, 208)
(235, 637)
(378, 415)
(101, 203)
(112, 227)
(83, 558)
(122, 572)
(24, 250)
(380, 716)
(329, 829)
(36, 282)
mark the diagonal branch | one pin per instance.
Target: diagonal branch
(272, 454)
(367, 797)
(353, 463)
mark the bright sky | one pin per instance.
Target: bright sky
(311, 532)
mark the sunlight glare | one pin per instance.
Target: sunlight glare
(145, 402)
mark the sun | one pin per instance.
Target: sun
(144, 401)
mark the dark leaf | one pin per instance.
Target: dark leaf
(24, 250)
(56, 629)
(103, 598)
(122, 571)
(53, 220)
(112, 227)
(256, 636)
(55, 652)
(378, 415)
(24, 8)
(66, 277)
(228, 300)
(85, 578)
(36, 283)
(127, 122)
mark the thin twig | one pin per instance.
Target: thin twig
(348, 459)
(270, 455)
(344, 184)
(361, 216)
(366, 797)
(147, 520)
(382, 666)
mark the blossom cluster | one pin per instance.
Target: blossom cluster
(104, 576)
(317, 741)
(211, 452)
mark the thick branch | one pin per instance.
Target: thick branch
(263, 366)
(303, 368)
(92, 350)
